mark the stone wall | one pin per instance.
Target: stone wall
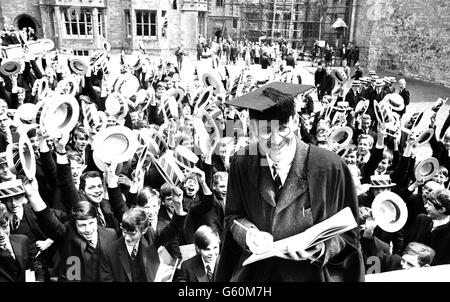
(409, 37)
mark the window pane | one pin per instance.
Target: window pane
(138, 17)
(146, 28)
(74, 28)
(139, 29)
(82, 29)
(145, 15)
(153, 17)
(153, 30)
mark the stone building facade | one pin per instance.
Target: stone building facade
(84, 25)
(410, 37)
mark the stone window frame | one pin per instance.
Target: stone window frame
(72, 28)
(147, 25)
(128, 25)
(82, 23)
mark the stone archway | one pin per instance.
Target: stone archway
(25, 20)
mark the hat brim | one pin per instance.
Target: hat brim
(68, 105)
(10, 67)
(119, 138)
(78, 66)
(332, 139)
(116, 105)
(378, 211)
(177, 93)
(214, 80)
(201, 121)
(203, 98)
(431, 172)
(190, 159)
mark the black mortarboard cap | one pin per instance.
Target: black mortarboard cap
(257, 101)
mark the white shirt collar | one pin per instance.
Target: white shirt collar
(19, 213)
(95, 238)
(284, 165)
(211, 265)
(438, 223)
(130, 248)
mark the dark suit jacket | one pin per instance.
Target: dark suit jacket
(192, 270)
(352, 98)
(70, 195)
(14, 270)
(251, 200)
(70, 243)
(115, 264)
(405, 95)
(172, 246)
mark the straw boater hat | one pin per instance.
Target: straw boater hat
(382, 112)
(25, 115)
(426, 169)
(206, 132)
(340, 137)
(10, 67)
(379, 83)
(170, 108)
(168, 168)
(59, 115)
(11, 188)
(185, 158)
(381, 181)
(157, 144)
(77, 66)
(116, 105)
(127, 85)
(20, 157)
(203, 98)
(356, 83)
(395, 100)
(214, 79)
(177, 93)
(340, 75)
(115, 144)
(362, 106)
(389, 211)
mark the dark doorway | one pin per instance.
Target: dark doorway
(26, 21)
(218, 34)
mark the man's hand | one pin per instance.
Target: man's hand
(258, 242)
(60, 143)
(31, 187)
(42, 245)
(298, 254)
(177, 199)
(112, 179)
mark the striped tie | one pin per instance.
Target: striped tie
(134, 251)
(100, 216)
(15, 222)
(209, 274)
(90, 247)
(276, 177)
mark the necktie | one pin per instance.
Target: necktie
(100, 217)
(90, 247)
(134, 251)
(209, 274)
(15, 222)
(276, 177)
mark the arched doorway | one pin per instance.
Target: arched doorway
(26, 21)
